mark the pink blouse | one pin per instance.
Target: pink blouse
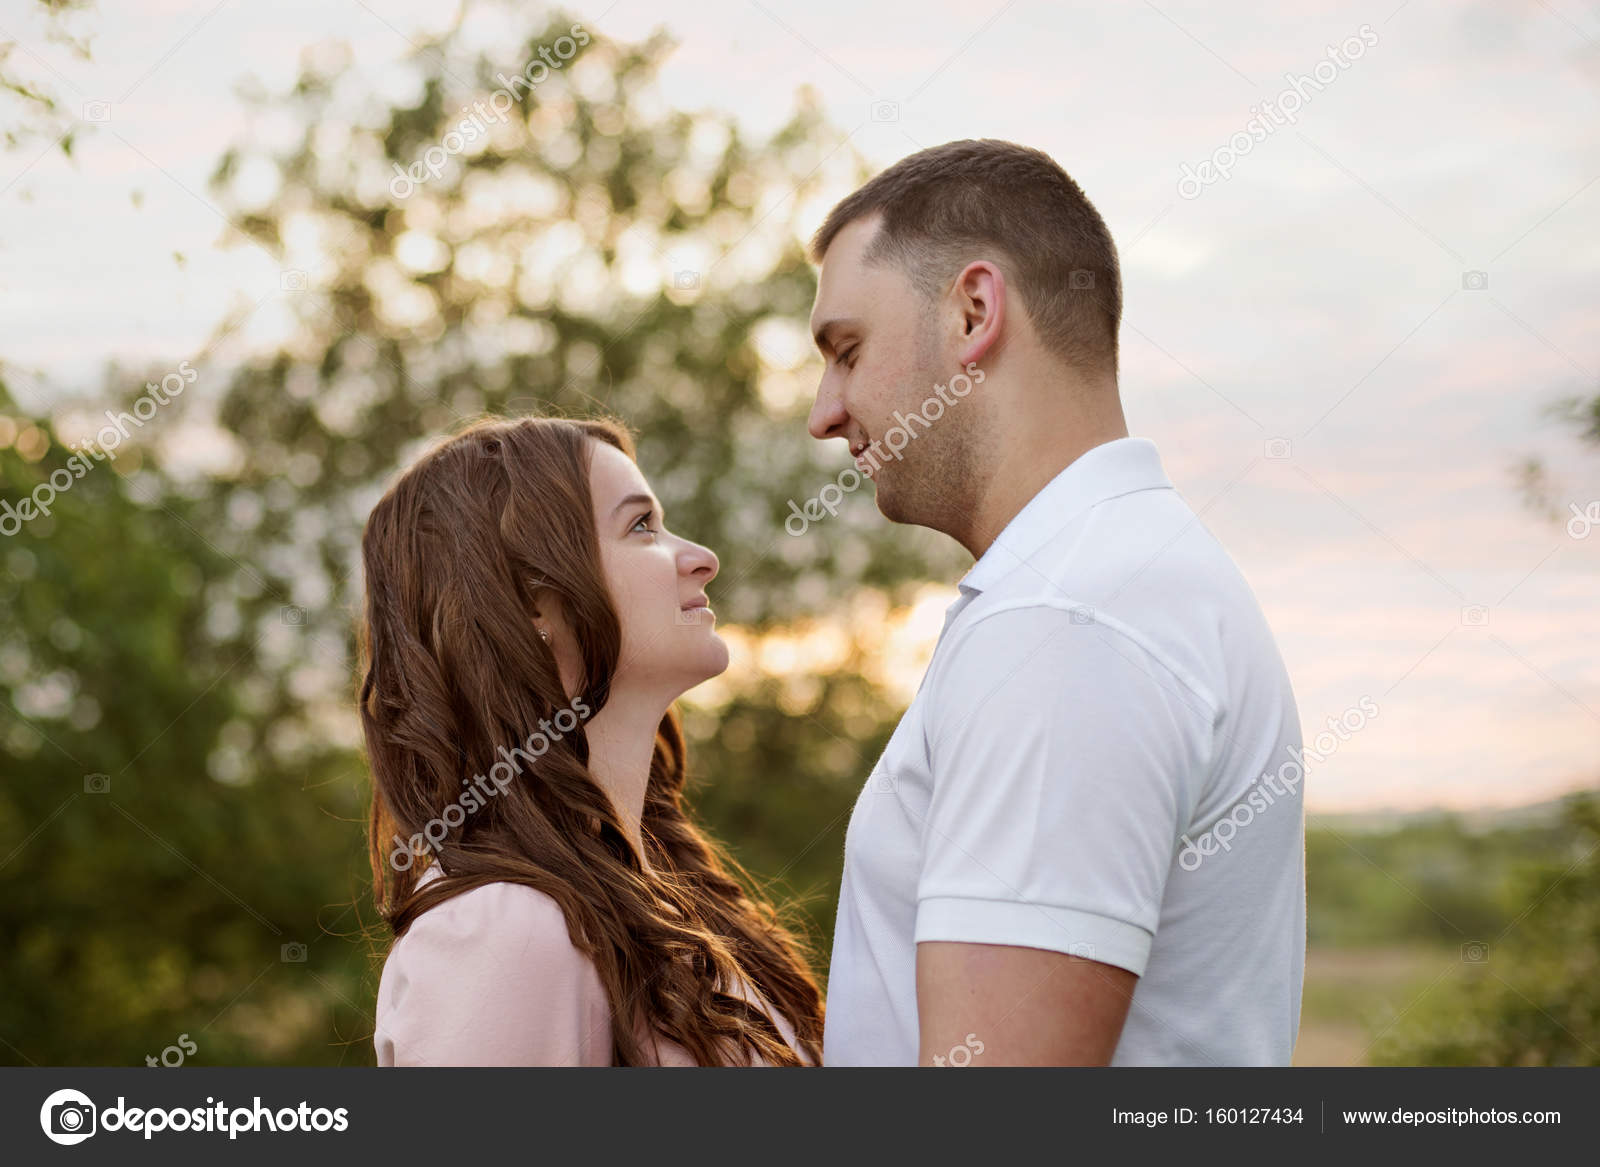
(491, 978)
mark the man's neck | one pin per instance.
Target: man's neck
(1031, 462)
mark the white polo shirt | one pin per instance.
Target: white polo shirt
(1103, 759)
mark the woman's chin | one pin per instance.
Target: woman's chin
(710, 660)
(716, 656)
(701, 663)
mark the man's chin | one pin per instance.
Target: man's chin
(897, 508)
(890, 506)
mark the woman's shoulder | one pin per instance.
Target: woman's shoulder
(491, 977)
(507, 932)
(494, 913)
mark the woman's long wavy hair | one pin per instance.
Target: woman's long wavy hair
(452, 672)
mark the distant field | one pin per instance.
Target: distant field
(1353, 994)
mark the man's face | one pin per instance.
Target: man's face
(882, 346)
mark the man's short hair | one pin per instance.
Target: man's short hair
(947, 206)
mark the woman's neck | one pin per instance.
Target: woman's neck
(622, 739)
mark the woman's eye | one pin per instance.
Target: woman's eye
(645, 519)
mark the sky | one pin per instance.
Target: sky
(1341, 348)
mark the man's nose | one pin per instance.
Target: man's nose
(828, 413)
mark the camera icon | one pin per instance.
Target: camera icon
(1278, 449)
(686, 281)
(882, 782)
(293, 953)
(97, 111)
(72, 1118)
(1080, 279)
(1475, 281)
(68, 1117)
(97, 783)
(293, 280)
(1082, 614)
(1474, 952)
(886, 111)
(292, 614)
(1475, 616)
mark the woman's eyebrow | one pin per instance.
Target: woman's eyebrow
(634, 498)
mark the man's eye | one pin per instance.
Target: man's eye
(846, 354)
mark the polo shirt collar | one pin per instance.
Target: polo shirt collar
(1120, 466)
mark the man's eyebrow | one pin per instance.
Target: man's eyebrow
(822, 334)
(633, 498)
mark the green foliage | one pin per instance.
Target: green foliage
(29, 108)
(142, 897)
(1421, 883)
(1530, 994)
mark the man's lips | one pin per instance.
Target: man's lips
(866, 460)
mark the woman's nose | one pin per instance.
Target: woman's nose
(697, 558)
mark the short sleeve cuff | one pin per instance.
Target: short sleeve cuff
(1066, 930)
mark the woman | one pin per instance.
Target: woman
(529, 623)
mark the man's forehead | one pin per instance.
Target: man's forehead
(847, 248)
(842, 268)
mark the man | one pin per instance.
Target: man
(1084, 843)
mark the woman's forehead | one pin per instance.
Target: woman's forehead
(614, 473)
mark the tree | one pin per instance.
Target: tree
(191, 637)
(582, 254)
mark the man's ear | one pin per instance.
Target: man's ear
(980, 292)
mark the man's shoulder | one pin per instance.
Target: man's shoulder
(1143, 567)
(1069, 643)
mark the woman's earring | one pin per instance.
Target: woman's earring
(544, 635)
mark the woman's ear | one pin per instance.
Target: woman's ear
(554, 630)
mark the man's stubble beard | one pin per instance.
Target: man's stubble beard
(935, 483)
(940, 489)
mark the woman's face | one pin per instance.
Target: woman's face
(657, 582)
